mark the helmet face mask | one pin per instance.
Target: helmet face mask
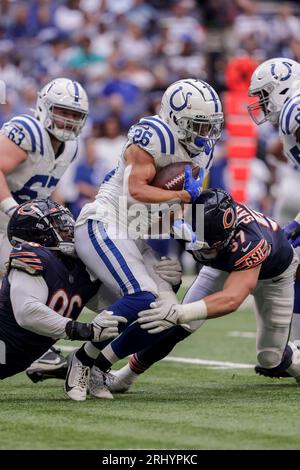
(200, 131)
(62, 108)
(272, 83)
(193, 110)
(64, 125)
(220, 221)
(44, 222)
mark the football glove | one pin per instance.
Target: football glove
(191, 185)
(159, 317)
(170, 270)
(105, 325)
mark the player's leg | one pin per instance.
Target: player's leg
(295, 329)
(207, 282)
(119, 265)
(274, 300)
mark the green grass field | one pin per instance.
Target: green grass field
(173, 406)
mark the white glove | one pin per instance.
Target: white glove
(170, 270)
(159, 317)
(105, 325)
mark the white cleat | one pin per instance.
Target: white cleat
(77, 380)
(116, 383)
(98, 384)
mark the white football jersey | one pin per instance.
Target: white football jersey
(154, 136)
(39, 174)
(289, 123)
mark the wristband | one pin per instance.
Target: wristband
(9, 204)
(80, 331)
(192, 311)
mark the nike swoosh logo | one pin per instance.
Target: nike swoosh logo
(246, 248)
(67, 387)
(17, 248)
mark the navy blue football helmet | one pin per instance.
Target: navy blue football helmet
(212, 232)
(220, 218)
(44, 222)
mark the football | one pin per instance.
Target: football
(172, 176)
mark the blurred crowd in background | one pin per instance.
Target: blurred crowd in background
(125, 53)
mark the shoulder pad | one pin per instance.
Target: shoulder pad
(26, 132)
(289, 120)
(251, 255)
(28, 257)
(153, 135)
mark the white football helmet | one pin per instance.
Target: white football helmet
(272, 82)
(55, 99)
(193, 110)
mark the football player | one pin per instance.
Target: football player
(186, 130)
(44, 291)
(250, 254)
(35, 151)
(276, 85)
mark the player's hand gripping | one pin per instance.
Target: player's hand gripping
(105, 325)
(191, 185)
(170, 270)
(159, 317)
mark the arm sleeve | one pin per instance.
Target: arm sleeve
(28, 295)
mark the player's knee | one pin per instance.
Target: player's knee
(131, 304)
(269, 357)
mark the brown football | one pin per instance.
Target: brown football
(172, 176)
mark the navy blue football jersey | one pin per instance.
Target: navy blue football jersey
(257, 240)
(70, 288)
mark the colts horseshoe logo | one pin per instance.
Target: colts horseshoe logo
(184, 105)
(289, 72)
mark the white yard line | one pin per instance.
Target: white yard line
(242, 334)
(206, 362)
(189, 360)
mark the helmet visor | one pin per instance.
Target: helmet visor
(63, 224)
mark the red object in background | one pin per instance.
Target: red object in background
(239, 172)
(239, 194)
(238, 126)
(238, 73)
(241, 150)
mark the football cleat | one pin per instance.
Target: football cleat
(116, 384)
(77, 379)
(274, 374)
(98, 387)
(50, 365)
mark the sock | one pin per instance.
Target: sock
(141, 361)
(102, 363)
(126, 374)
(133, 338)
(84, 358)
(295, 329)
(157, 351)
(92, 350)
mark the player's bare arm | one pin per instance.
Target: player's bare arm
(142, 173)
(11, 156)
(237, 287)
